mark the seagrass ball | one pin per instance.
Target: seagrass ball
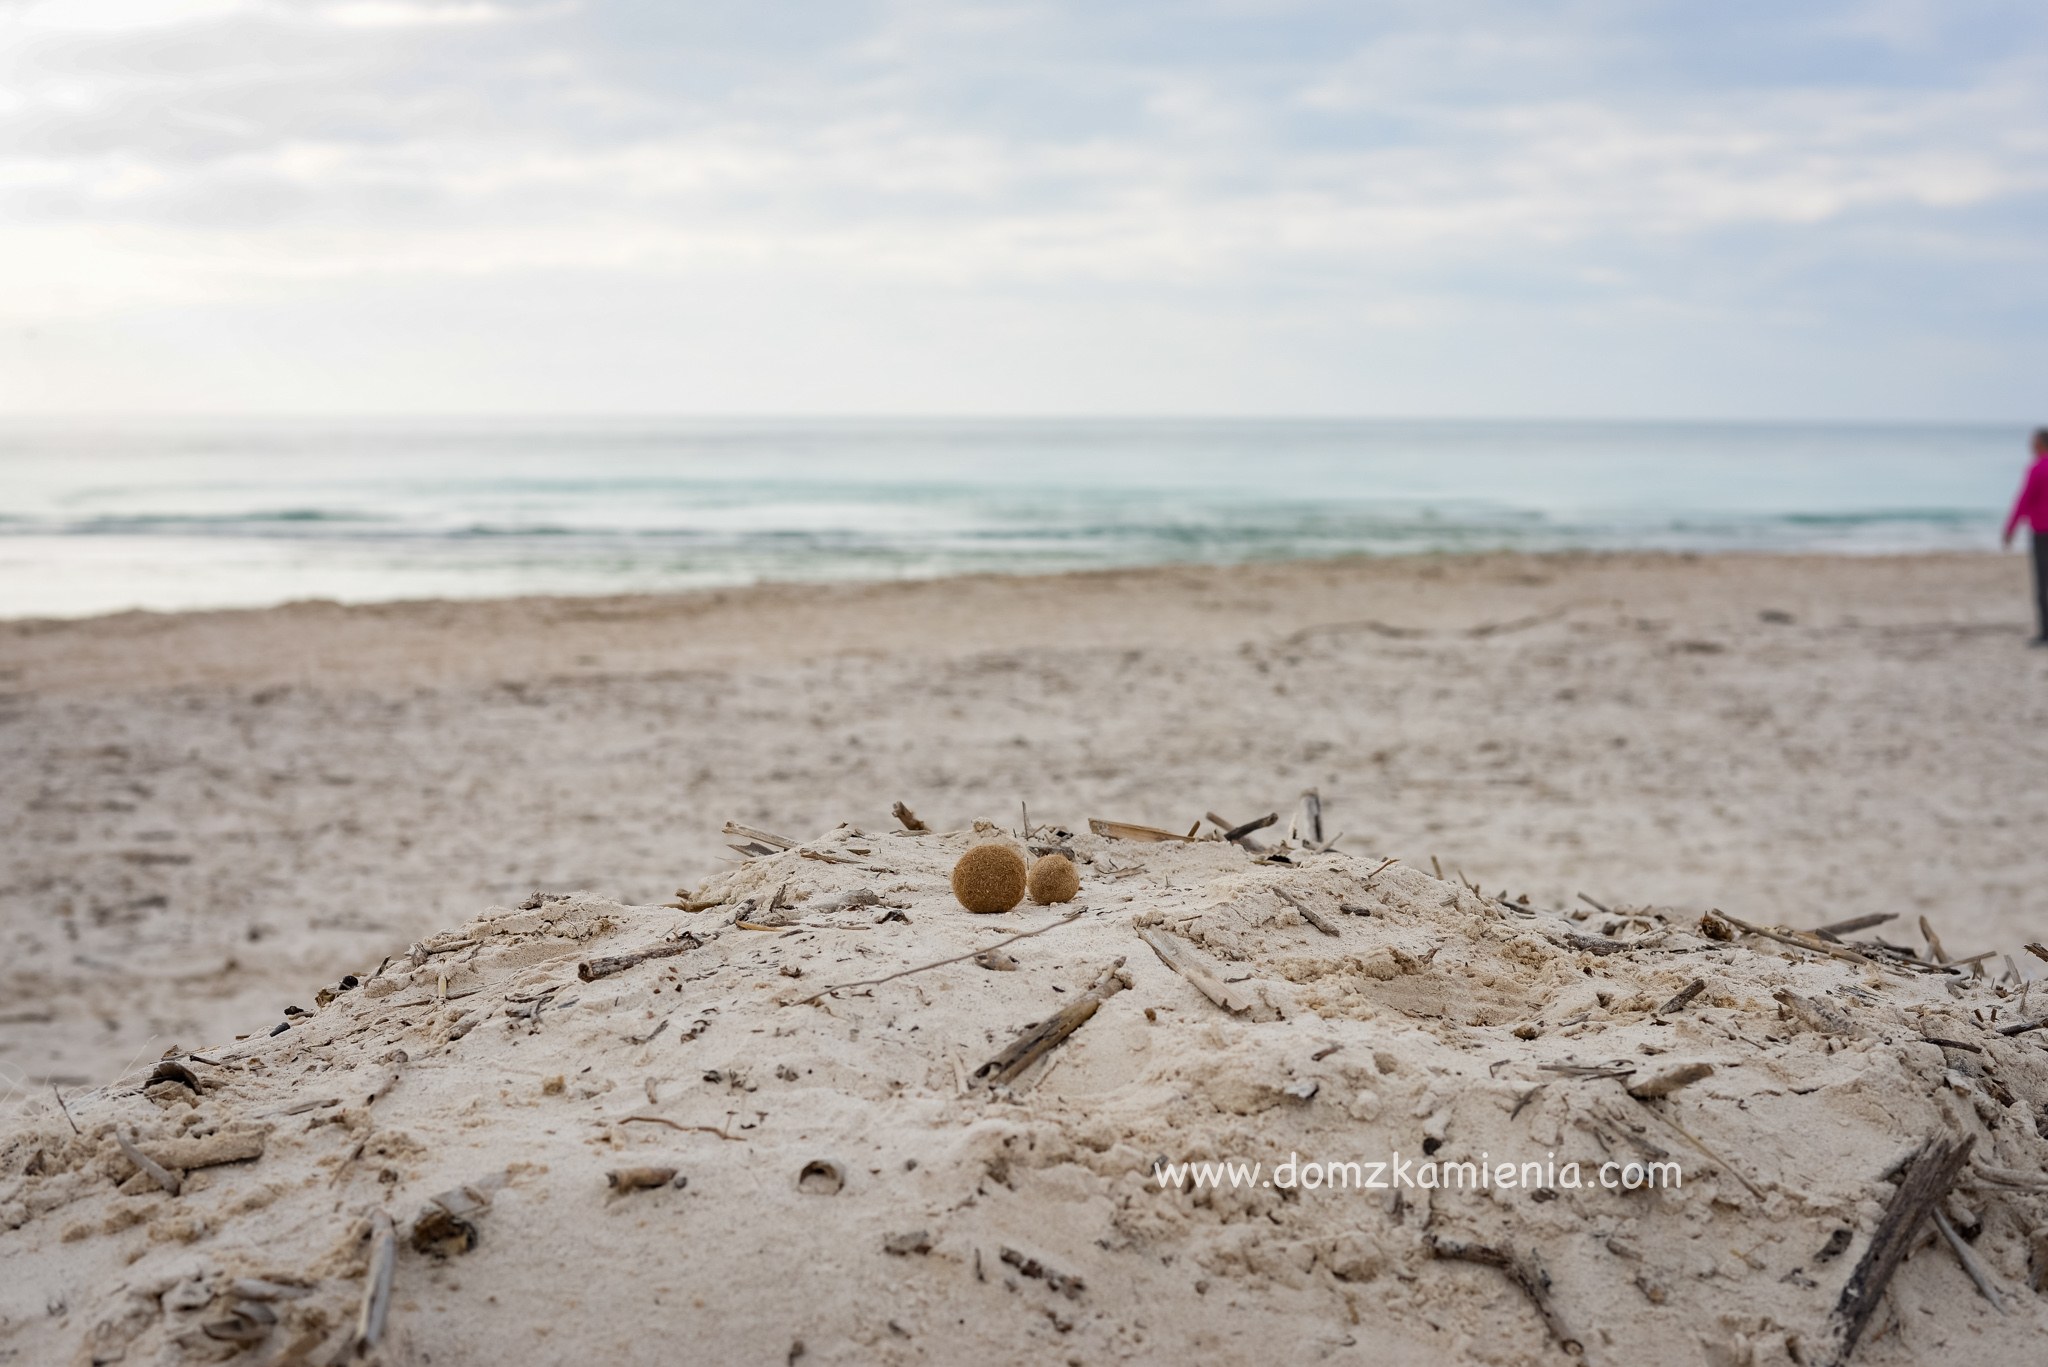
(1053, 879)
(989, 878)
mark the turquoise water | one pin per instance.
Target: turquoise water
(103, 518)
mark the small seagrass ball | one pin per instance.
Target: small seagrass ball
(1053, 879)
(989, 878)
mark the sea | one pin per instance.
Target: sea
(99, 517)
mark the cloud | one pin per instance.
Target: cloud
(1413, 169)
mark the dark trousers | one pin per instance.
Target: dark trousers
(2041, 582)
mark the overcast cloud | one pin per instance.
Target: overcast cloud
(1725, 210)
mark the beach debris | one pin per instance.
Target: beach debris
(446, 1225)
(1835, 930)
(821, 1177)
(149, 1167)
(246, 1322)
(1240, 834)
(903, 1245)
(1066, 1284)
(1053, 878)
(1125, 830)
(1929, 1173)
(1525, 1272)
(169, 1070)
(1968, 1258)
(1178, 955)
(165, 1161)
(623, 1180)
(590, 970)
(1308, 913)
(1668, 1080)
(377, 1287)
(1068, 919)
(909, 818)
(1719, 925)
(1683, 998)
(58, 1093)
(759, 842)
(1040, 1039)
(678, 1125)
(989, 879)
(1815, 1013)
(996, 961)
(1934, 949)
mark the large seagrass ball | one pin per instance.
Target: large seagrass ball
(1053, 878)
(989, 878)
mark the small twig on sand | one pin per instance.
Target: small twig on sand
(1794, 938)
(1683, 999)
(676, 1125)
(1929, 1174)
(377, 1290)
(1308, 913)
(1177, 955)
(939, 963)
(590, 970)
(780, 842)
(1042, 1038)
(1701, 1145)
(1968, 1259)
(1528, 1274)
(156, 1171)
(1595, 905)
(1834, 930)
(908, 818)
(1934, 949)
(1236, 834)
(58, 1092)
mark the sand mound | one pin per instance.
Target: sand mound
(582, 1131)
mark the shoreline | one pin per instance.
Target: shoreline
(725, 613)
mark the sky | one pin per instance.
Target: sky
(1493, 208)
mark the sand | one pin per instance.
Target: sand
(212, 815)
(721, 1153)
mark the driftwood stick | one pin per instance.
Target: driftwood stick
(1526, 1273)
(1042, 1038)
(780, 842)
(940, 963)
(1308, 913)
(590, 970)
(1968, 1259)
(1127, 830)
(1934, 949)
(156, 1171)
(58, 1092)
(1178, 955)
(909, 818)
(1312, 815)
(1684, 998)
(1835, 929)
(1929, 1174)
(1595, 905)
(1236, 834)
(1809, 943)
(377, 1289)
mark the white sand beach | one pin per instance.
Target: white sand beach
(213, 816)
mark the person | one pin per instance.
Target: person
(2031, 507)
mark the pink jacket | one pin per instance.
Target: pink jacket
(2031, 507)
